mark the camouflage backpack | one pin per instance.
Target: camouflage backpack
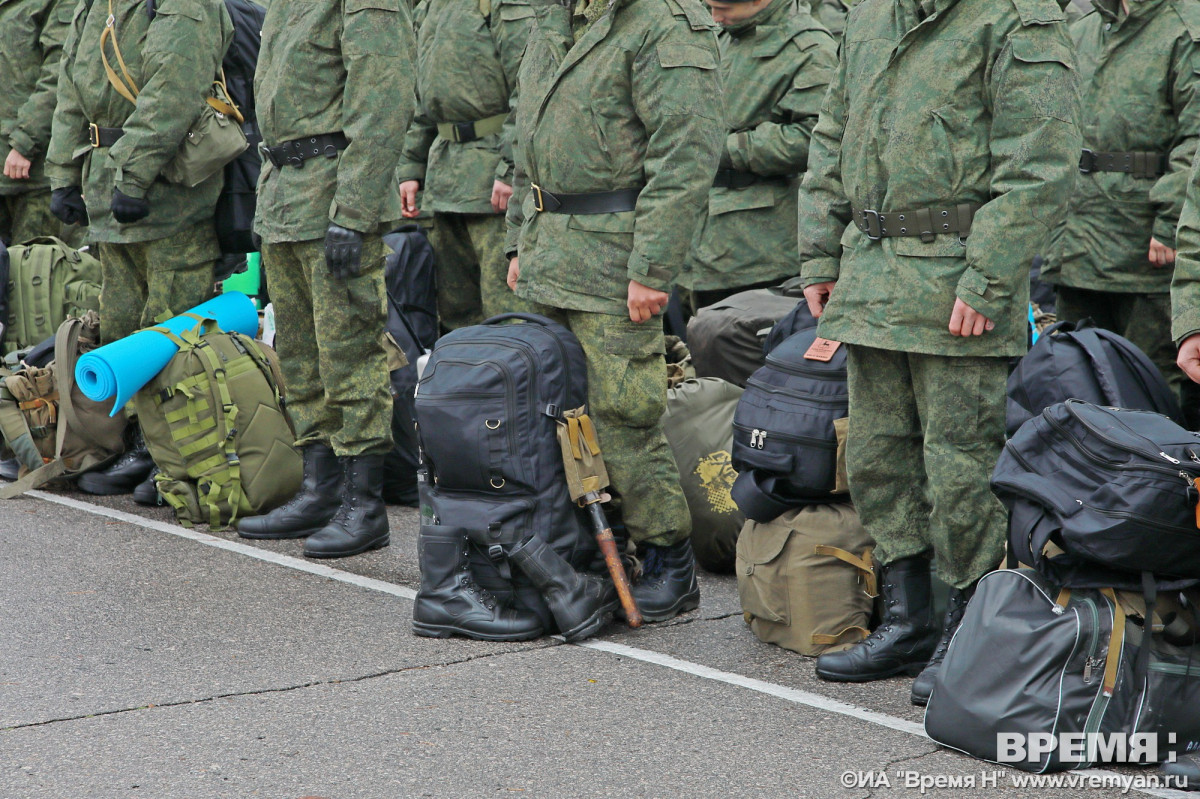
(215, 424)
(47, 423)
(48, 282)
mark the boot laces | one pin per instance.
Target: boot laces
(954, 615)
(473, 588)
(654, 564)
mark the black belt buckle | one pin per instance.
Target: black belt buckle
(1087, 161)
(867, 216)
(537, 198)
(464, 132)
(94, 135)
(269, 154)
(542, 198)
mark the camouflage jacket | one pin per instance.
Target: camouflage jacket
(1185, 283)
(831, 14)
(466, 71)
(30, 50)
(1140, 80)
(635, 103)
(330, 66)
(977, 103)
(781, 61)
(173, 59)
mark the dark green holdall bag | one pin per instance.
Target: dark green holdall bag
(215, 424)
(48, 282)
(699, 427)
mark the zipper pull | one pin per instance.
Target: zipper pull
(754, 438)
(762, 438)
(1168, 457)
(1193, 456)
(1087, 671)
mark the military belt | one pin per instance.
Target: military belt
(462, 132)
(104, 137)
(1139, 165)
(593, 202)
(297, 151)
(924, 222)
(739, 179)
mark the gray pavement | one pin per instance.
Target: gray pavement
(136, 663)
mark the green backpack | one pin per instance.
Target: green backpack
(214, 422)
(48, 282)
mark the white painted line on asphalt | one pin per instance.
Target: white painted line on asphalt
(771, 689)
(795, 695)
(299, 564)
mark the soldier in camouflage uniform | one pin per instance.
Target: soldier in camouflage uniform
(457, 149)
(1112, 257)
(155, 240)
(30, 51)
(780, 59)
(943, 158)
(619, 137)
(334, 91)
(831, 14)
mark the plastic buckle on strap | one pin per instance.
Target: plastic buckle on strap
(464, 132)
(1087, 161)
(496, 552)
(869, 216)
(94, 135)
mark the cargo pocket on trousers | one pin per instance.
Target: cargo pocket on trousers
(630, 386)
(761, 571)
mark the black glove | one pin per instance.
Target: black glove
(126, 209)
(67, 204)
(343, 252)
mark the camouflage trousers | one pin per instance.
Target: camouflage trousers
(329, 336)
(925, 432)
(1144, 319)
(472, 271)
(627, 396)
(142, 281)
(27, 215)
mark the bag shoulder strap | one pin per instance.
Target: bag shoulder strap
(1148, 374)
(127, 88)
(1091, 343)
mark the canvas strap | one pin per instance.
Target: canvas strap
(863, 563)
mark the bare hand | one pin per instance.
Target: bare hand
(16, 166)
(1189, 358)
(408, 198)
(818, 295)
(1160, 254)
(514, 274)
(500, 193)
(644, 302)
(966, 321)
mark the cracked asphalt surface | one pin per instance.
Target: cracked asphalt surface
(135, 663)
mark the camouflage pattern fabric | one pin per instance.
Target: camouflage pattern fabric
(142, 281)
(832, 14)
(329, 339)
(934, 104)
(173, 59)
(1185, 282)
(926, 434)
(27, 215)
(635, 103)
(627, 396)
(1140, 76)
(780, 60)
(466, 71)
(330, 66)
(30, 51)
(472, 270)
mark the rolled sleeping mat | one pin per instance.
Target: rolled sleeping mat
(121, 368)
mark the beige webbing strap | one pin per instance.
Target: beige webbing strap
(825, 639)
(224, 419)
(35, 479)
(127, 88)
(863, 564)
(1115, 642)
(1064, 599)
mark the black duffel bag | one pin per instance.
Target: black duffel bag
(1113, 489)
(1082, 361)
(784, 439)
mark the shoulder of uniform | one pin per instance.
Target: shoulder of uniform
(698, 16)
(1039, 12)
(802, 23)
(1189, 12)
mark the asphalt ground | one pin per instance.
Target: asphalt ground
(139, 659)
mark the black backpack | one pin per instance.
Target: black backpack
(799, 318)
(488, 405)
(784, 442)
(726, 338)
(238, 200)
(412, 322)
(1085, 362)
(1113, 489)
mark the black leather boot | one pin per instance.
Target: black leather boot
(361, 522)
(449, 602)
(10, 470)
(577, 601)
(904, 640)
(955, 608)
(122, 475)
(146, 492)
(312, 507)
(668, 585)
(1186, 767)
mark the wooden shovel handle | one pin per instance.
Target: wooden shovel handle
(608, 546)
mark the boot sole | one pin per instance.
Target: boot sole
(591, 626)
(280, 536)
(445, 631)
(376, 544)
(919, 701)
(104, 490)
(683, 605)
(910, 670)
